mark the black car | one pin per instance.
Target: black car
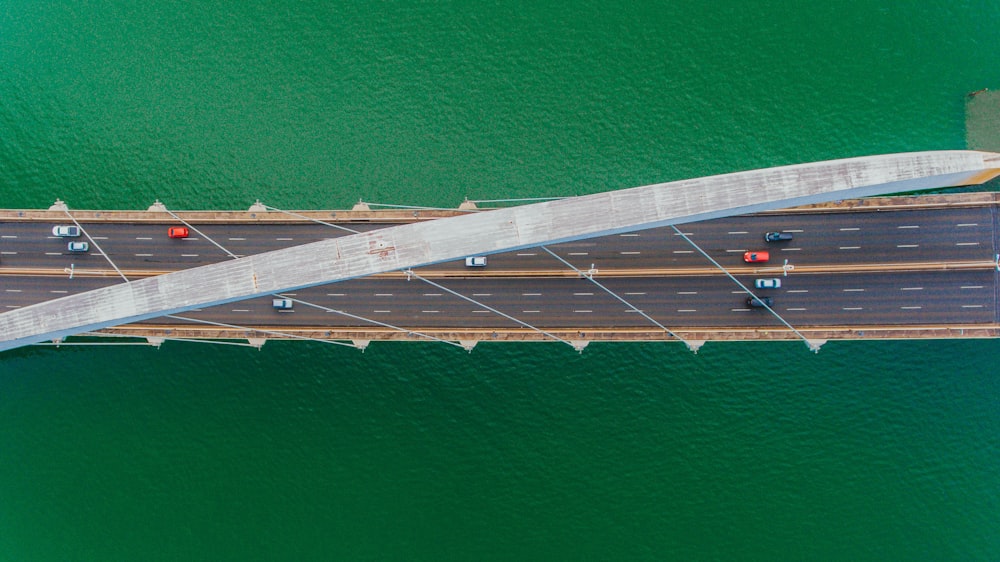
(759, 302)
(777, 236)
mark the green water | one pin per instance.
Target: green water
(418, 451)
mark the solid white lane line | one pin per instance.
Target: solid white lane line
(143, 255)
(630, 253)
(634, 294)
(853, 308)
(972, 306)
(797, 291)
(530, 311)
(850, 247)
(14, 290)
(583, 294)
(8, 236)
(849, 229)
(383, 294)
(740, 251)
(793, 230)
(579, 253)
(432, 294)
(241, 310)
(482, 294)
(795, 309)
(382, 311)
(143, 237)
(686, 310)
(910, 307)
(430, 311)
(909, 226)
(911, 289)
(854, 290)
(285, 239)
(189, 255)
(972, 286)
(236, 239)
(907, 245)
(531, 294)
(583, 311)
(968, 224)
(966, 243)
(8, 253)
(738, 232)
(527, 254)
(683, 251)
(687, 292)
(335, 294)
(689, 234)
(53, 253)
(791, 249)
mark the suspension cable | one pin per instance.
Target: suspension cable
(490, 308)
(747, 290)
(590, 276)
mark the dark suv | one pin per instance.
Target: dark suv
(759, 302)
(777, 236)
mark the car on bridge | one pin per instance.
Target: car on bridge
(751, 256)
(178, 232)
(777, 236)
(760, 302)
(475, 261)
(767, 283)
(78, 246)
(282, 304)
(66, 231)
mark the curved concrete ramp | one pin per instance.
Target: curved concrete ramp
(419, 244)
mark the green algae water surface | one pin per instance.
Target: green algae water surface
(418, 451)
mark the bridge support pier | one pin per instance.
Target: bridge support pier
(468, 344)
(694, 345)
(257, 342)
(361, 344)
(814, 345)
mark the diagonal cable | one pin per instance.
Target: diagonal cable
(273, 332)
(744, 287)
(487, 307)
(96, 245)
(376, 322)
(296, 215)
(615, 295)
(202, 234)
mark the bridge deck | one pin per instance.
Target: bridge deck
(432, 242)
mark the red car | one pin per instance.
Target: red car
(755, 257)
(177, 232)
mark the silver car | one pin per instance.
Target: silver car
(767, 283)
(78, 246)
(66, 231)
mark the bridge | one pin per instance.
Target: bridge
(402, 248)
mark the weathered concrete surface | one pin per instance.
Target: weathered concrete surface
(527, 226)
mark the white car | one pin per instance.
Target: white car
(282, 304)
(475, 261)
(78, 246)
(767, 283)
(66, 231)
